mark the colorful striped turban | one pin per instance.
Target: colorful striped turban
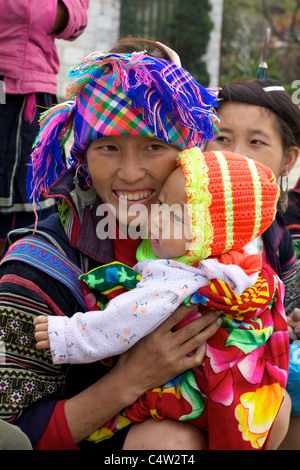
(231, 201)
(121, 94)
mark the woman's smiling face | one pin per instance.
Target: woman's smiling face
(128, 170)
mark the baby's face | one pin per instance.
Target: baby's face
(168, 226)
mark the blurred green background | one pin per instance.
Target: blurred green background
(186, 27)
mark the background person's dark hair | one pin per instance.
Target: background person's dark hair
(251, 91)
(130, 45)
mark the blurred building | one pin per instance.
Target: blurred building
(103, 30)
(212, 56)
(101, 33)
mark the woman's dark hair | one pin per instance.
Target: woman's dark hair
(130, 45)
(251, 91)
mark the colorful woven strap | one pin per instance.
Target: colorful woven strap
(50, 260)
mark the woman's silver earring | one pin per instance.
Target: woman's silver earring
(284, 188)
(87, 198)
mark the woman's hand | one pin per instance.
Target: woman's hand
(293, 321)
(163, 354)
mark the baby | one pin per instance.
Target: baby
(199, 251)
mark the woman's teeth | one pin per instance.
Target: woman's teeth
(133, 196)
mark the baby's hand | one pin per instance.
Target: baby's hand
(293, 321)
(41, 332)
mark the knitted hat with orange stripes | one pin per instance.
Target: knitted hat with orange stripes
(231, 201)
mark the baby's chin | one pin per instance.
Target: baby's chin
(156, 248)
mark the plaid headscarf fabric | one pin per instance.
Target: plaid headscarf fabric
(121, 94)
(99, 111)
